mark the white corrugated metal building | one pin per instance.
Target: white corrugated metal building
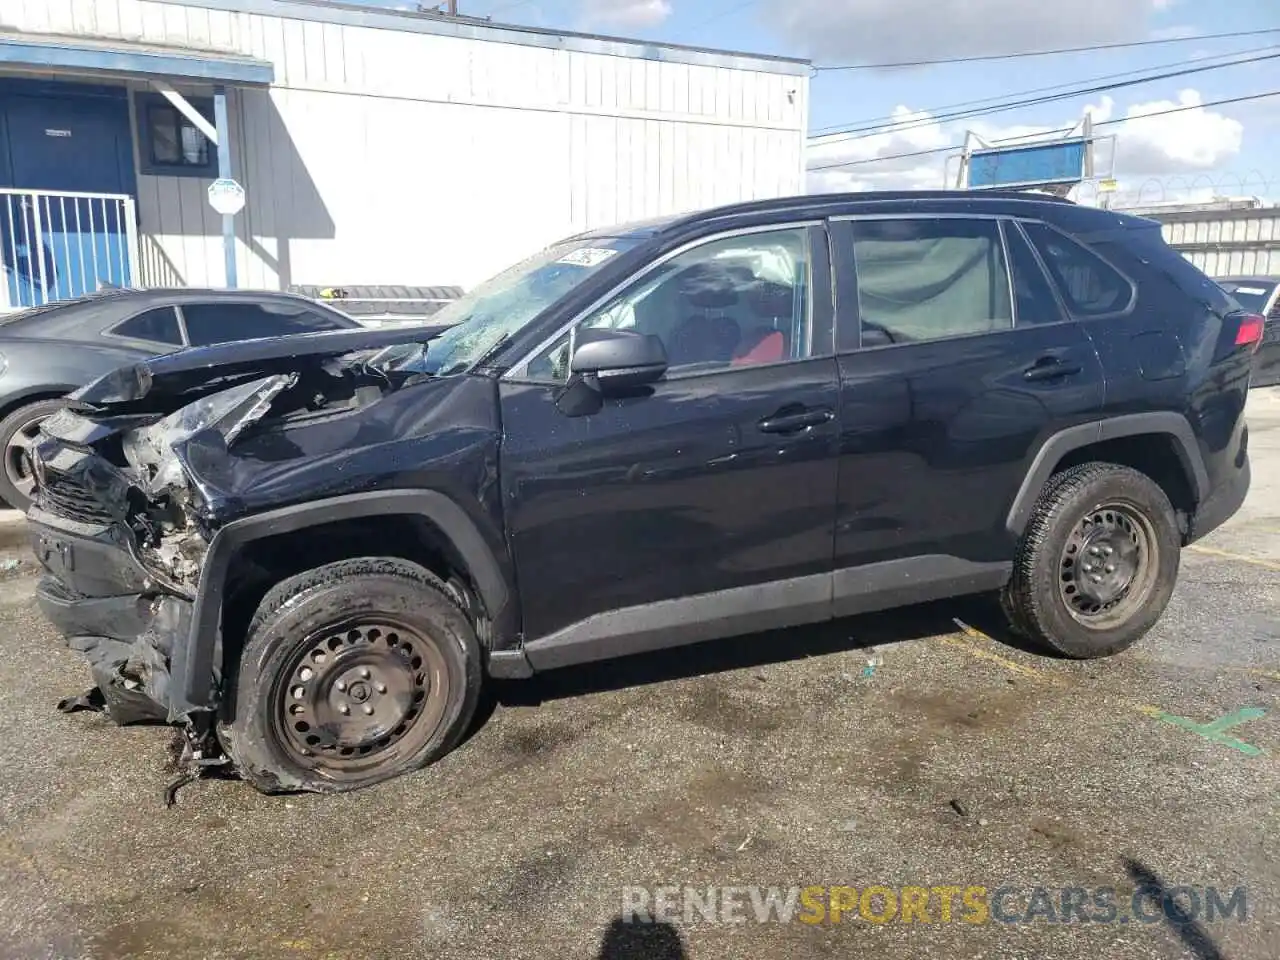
(375, 146)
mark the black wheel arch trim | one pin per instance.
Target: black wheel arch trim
(193, 662)
(1058, 445)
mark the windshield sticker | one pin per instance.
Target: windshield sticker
(588, 256)
(1256, 291)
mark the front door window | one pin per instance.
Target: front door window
(730, 302)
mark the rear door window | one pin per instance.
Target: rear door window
(209, 323)
(926, 279)
(1034, 299)
(1089, 285)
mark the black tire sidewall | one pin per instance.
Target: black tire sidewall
(1048, 609)
(274, 640)
(8, 427)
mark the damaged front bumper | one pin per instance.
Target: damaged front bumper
(137, 500)
(109, 607)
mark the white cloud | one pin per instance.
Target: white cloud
(884, 158)
(1196, 139)
(628, 14)
(871, 31)
(1148, 145)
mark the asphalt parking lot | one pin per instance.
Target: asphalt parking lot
(899, 750)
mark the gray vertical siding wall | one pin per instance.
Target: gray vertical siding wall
(385, 156)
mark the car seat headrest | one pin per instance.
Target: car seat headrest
(770, 300)
(713, 286)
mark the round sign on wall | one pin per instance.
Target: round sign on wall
(226, 197)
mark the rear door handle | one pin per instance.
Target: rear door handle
(1050, 368)
(795, 421)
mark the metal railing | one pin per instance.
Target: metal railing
(56, 245)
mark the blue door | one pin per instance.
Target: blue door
(60, 140)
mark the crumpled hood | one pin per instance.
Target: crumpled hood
(164, 383)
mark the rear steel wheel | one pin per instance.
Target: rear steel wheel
(1097, 563)
(1108, 565)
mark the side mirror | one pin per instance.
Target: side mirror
(620, 360)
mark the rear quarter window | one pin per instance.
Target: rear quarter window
(1089, 285)
(1149, 248)
(157, 326)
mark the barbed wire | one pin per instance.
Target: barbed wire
(1184, 188)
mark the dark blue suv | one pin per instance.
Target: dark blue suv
(310, 550)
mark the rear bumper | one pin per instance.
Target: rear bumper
(1222, 503)
(100, 597)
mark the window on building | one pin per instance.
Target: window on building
(209, 323)
(171, 144)
(930, 279)
(730, 302)
(1090, 286)
(156, 326)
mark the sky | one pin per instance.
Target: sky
(1232, 149)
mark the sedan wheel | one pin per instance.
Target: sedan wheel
(18, 433)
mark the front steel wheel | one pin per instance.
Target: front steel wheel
(352, 673)
(359, 693)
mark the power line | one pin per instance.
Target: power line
(724, 13)
(1049, 53)
(857, 133)
(948, 149)
(888, 121)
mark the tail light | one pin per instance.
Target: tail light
(1249, 333)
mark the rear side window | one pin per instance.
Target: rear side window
(1033, 296)
(223, 322)
(927, 279)
(1150, 247)
(1089, 285)
(158, 326)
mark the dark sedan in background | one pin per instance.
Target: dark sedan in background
(1260, 295)
(47, 352)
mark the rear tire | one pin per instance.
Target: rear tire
(1097, 564)
(17, 436)
(352, 673)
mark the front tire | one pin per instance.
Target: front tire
(351, 674)
(1097, 564)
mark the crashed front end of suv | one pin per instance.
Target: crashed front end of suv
(139, 473)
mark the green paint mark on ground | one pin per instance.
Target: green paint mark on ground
(1216, 731)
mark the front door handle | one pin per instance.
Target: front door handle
(793, 421)
(1050, 368)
